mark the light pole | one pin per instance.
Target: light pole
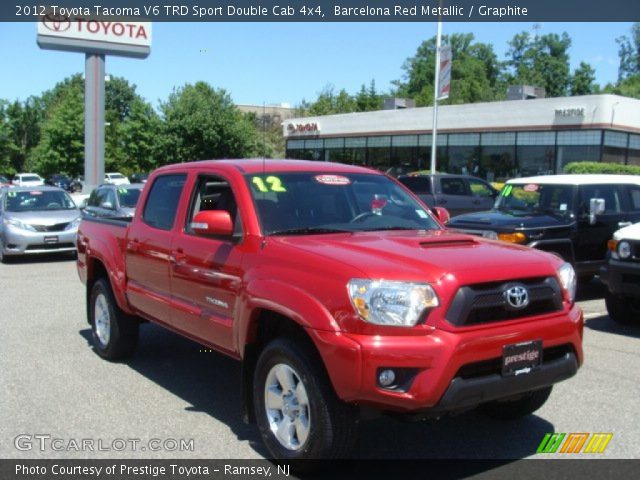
(434, 132)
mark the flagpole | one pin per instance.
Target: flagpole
(435, 95)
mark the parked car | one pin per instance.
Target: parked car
(572, 216)
(338, 291)
(457, 193)
(139, 177)
(116, 178)
(621, 275)
(27, 180)
(61, 181)
(114, 201)
(77, 184)
(37, 220)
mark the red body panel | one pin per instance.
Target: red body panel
(157, 274)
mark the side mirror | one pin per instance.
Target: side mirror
(596, 207)
(83, 204)
(442, 214)
(107, 205)
(212, 222)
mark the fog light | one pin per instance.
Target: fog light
(386, 378)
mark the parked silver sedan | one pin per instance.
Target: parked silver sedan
(37, 220)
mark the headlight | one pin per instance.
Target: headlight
(568, 280)
(383, 302)
(14, 222)
(73, 225)
(624, 249)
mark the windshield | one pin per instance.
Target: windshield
(128, 197)
(115, 175)
(25, 201)
(29, 178)
(308, 203)
(536, 198)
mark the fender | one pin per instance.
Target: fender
(340, 354)
(285, 299)
(109, 251)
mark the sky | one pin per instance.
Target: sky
(275, 63)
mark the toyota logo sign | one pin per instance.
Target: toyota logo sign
(56, 23)
(517, 297)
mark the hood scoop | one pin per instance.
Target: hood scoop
(449, 242)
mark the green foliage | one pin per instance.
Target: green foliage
(596, 167)
(331, 102)
(6, 144)
(541, 61)
(203, 123)
(582, 81)
(629, 53)
(475, 73)
(627, 87)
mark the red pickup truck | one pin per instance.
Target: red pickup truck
(338, 290)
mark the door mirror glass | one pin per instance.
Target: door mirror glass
(212, 222)
(108, 205)
(596, 207)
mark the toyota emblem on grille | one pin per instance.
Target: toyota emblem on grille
(517, 297)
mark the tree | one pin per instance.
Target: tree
(475, 73)
(582, 81)
(6, 144)
(368, 99)
(629, 53)
(627, 87)
(542, 61)
(61, 146)
(203, 123)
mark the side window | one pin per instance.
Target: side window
(453, 186)
(93, 198)
(634, 197)
(416, 184)
(110, 196)
(162, 202)
(480, 189)
(609, 193)
(214, 193)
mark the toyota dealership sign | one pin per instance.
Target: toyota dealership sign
(122, 37)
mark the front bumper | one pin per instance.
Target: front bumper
(16, 241)
(450, 370)
(622, 277)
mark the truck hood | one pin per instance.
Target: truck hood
(632, 232)
(507, 220)
(424, 256)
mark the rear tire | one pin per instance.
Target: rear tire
(622, 310)
(297, 411)
(115, 334)
(528, 403)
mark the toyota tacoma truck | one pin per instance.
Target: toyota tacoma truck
(338, 291)
(621, 275)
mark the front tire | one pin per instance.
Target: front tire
(525, 405)
(115, 334)
(297, 411)
(622, 310)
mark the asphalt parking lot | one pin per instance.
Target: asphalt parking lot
(53, 384)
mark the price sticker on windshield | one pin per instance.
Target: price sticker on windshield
(532, 187)
(269, 184)
(332, 180)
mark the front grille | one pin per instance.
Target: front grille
(58, 227)
(494, 365)
(50, 246)
(486, 302)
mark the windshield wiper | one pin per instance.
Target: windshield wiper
(309, 230)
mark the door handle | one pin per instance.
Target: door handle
(624, 224)
(133, 245)
(178, 256)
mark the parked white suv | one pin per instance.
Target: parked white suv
(27, 180)
(621, 274)
(116, 178)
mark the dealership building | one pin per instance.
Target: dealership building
(495, 140)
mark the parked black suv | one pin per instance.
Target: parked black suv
(457, 193)
(573, 216)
